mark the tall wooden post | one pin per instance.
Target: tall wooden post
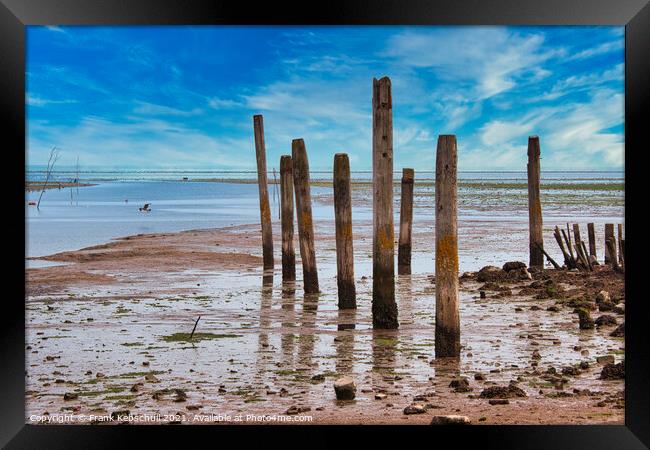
(343, 219)
(609, 234)
(405, 223)
(286, 203)
(303, 211)
(447, 304)
(265, 210)
(592, 240)
(384, 308)
(536, 239)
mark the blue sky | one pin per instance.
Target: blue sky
(183, 97)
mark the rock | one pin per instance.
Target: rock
(70, 396)
(450, 420)
(181, 396)
(319, 377)
(553, 309)
(293, 410)
(613, 371)
(608, 359)
(482, 294)
(570, 370)
(586, 322)
(193, 407)
(584, 365)
(514, 265)
(116, 414)
(460, 384)
(345, 388)
(520, 274)
(415, 408)
(136, 387)
(606, 306)
(100, 375)
(380, 396)
(490, 273)
(605, 319)
(619, 331)
(536, 355)
(603, 297)
(503, 392)
(535, 308)
(479, 376)
(151, 378)
(499, 401)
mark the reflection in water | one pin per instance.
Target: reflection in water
(344, 341)
(384, 343)
(307, 336)
(288, 322)
(444, 370)
(266, 298)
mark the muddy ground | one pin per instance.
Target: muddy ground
(108, 332)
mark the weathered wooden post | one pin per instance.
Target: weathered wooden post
(592, 240)
(576, 233)
(303, 211)
(536, 239)
(286, 203)
(265, 210)
(384, 308)
(620, 240)
(405, 223)
(447, 305)
(609, 234)
(343, 219)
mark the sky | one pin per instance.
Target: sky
(183, 97)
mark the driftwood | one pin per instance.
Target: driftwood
(548, 257)
(194, 329)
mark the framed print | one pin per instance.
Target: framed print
(301, 222)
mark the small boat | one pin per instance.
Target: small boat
(31, 203)
(145, 208)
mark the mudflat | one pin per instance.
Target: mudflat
(109, 333)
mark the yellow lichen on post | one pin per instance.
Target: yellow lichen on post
(447, 305)
(384, 308)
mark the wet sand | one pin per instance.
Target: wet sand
(111, 330)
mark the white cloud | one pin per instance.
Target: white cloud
(606, 47)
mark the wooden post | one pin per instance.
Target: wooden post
(620, 239)
(303, 211)
(343, 219)
(384, 308)
(609, 234)
(536, 239)
(447, 305)
(265, 210)
(611, 246)
(286, 203)
(576, 233)
(592, 240)
(405, 223)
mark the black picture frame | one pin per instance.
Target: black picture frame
(16, 14)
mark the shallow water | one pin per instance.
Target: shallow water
(274, 338)
(100, 213)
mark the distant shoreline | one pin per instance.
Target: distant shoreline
(31, 186)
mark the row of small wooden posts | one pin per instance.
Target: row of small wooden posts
(294, 179)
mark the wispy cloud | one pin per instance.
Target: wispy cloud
(150, 96)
